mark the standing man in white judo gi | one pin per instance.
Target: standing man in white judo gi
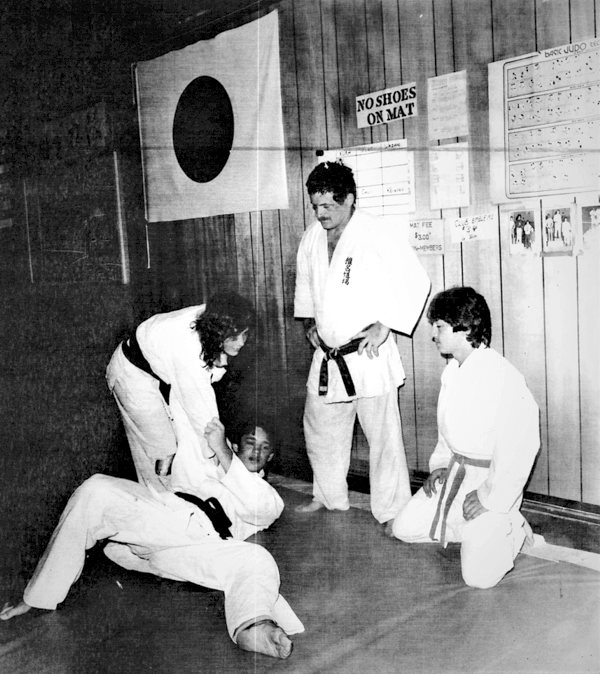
(163, 534)
(488, 438)
(357, 280)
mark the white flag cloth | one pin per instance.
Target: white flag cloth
(221, 92)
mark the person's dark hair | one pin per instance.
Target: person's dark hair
(226, 315)
(334, 177)
(247, 426)
(466, 311)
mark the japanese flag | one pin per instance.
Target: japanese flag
(211, 126)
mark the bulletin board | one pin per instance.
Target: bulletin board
(545, 122)
(384, 176)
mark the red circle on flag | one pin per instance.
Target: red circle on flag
(203, 129)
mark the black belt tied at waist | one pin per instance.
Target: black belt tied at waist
(456, 482)
(212, 508)
(337, 355)
(133, 353)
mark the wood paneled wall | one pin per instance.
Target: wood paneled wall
(545, 311)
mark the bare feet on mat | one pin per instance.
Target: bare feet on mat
(267, 638)
(311, 507)
(9, 611)
(389, 529)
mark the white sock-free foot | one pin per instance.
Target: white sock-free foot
(266, 637)
(10, 611)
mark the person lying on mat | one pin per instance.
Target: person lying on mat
(488, 438)
(196, 538)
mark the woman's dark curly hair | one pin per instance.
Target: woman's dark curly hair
(334, 177)
(226, 315)
(466, 311)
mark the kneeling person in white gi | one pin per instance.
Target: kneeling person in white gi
(488, 438)
(163, 534)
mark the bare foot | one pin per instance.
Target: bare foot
(9, 611)
(266, 637)
(389, 529)
(311, 507)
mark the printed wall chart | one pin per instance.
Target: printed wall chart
(384, 175)
(545, 122)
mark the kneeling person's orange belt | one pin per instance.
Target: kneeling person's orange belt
(459, 476)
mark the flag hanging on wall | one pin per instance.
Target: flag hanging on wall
(211, 126)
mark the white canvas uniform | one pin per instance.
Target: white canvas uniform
(374, 275)
(162, 534)
(485, 413)
(155, 430)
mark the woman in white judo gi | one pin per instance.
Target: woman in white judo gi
(488, 438)
(161, 533)
(161, 378)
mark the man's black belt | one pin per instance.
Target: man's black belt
(337, 355)
(213, 510)
(133, 353)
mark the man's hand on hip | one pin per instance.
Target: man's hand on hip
(372, 338)
(310, 330)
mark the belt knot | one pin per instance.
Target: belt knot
(337, 354)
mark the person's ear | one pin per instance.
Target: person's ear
(235, 448)
(350, 200)
(271, 455)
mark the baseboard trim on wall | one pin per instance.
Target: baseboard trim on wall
(568, 510)
(551, 506)
(562, 522)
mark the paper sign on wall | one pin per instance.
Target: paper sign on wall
(473, 227)
(387, 105)
(449, 176)
(426, 236)
(447, 109)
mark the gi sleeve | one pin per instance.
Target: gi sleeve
(404, 284)
(516, 447)
(441, 455)
(303, 302)
(193, 405)
(251, 497)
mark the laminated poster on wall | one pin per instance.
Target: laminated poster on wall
(523, 230)
(544, 124)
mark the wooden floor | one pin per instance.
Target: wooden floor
(370, 605)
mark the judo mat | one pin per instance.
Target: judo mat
(370, 605)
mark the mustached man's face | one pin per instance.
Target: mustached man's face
(255, 450)
(329, 213)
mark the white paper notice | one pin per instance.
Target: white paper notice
(449, 176)
(427, 236)
(472, 227)
(447, 106)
